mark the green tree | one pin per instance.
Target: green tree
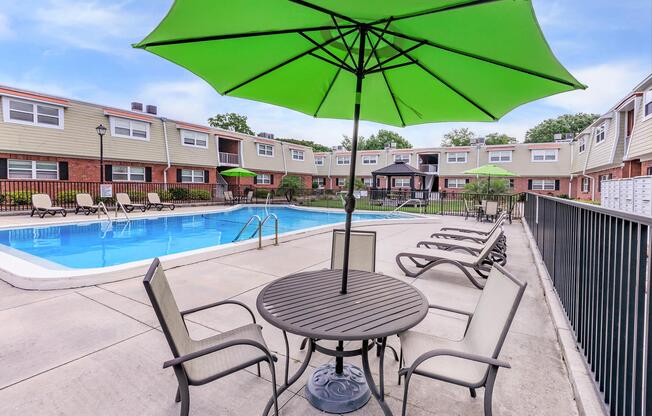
(567, 123)
(498, 138)
(458, 137)
(378, 141)
(232, 122)
(498, 186)
(358, 184)
(315, 146)
(290, 185)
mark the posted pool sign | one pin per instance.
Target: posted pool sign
(106, 191)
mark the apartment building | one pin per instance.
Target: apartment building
(616, 145)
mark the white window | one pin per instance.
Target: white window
(31, 169)
(501, 156)
(192, 175)
(545, 155)
(405, 158)
(368, 182)
(459, 157)
(343, 160)
(402, 182)
(319, 161)
(194, 139)
(582, 145)
(585, 184)
(456, 183)
(264, 179)
(341, 181)
(543, 185)
(369, 159)
(266, 150)
(130, 129)
(321, 182)
(128, 173)
(297, 154)
(600, 133)
(647, 104)
(32, 113)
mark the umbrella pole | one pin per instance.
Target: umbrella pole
(350, 199)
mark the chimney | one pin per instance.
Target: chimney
(135, 106)
(151, 109)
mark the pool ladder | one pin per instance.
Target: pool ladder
(259, 228)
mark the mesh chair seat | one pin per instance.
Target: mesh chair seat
(414, 344)
(206, 367)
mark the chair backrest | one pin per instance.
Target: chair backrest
(494, 313)
(84, 200)
(250, 196)
(228, 195)
(153, 198)
(499, 222)
(362, 250)
(166, 309)
(491, 208)
(41, 201)
(123, 198)
(489, 245)
(483, 203)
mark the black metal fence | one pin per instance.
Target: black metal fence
(16, 195)
(599, 263)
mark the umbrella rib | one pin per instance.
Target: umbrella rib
(342, 64)
(435, 10)
(336, 64)
(398, 55)
(328, 91)
(236, 36)
(286, 62)
(437, 77)
(324, 10)
(373, 50)
(488, 60)
(346, 45)
(387, 68)
(391, 93)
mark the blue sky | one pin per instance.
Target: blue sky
(81, 49)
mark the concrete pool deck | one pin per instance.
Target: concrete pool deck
(99, 350)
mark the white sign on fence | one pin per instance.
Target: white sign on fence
(106, 191)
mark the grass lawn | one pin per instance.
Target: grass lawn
(435, 207)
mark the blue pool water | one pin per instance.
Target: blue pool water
(99, 244)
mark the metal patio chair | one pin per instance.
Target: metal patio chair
(491, 210)
(85, 203)
(228, 197)
(197, 362)
(42, 205)
(472, 361)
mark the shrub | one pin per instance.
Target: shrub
(200, 194)
(179, 194)
(137, 196)
(164, 195)
(261, 193)
(19, 197)
(67, 197)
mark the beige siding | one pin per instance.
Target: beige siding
(305, 167)
(641, 141)
(579, 159)
(324, 169)
(452, 169)
(600, 153)
(251, 159)
(187, 155)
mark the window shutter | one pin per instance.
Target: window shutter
(467, 180)
(63, 171)
(3, 168)
(108, 172)
(529, 184)
(179, 178)
(256, 180)
(148, 173)
(445, 183)
(393, 182)
(271, 179)
(206, 176)
(556, 184)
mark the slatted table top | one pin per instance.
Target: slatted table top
(310, 304)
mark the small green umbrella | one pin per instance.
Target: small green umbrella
(239, 173)
(489, 171)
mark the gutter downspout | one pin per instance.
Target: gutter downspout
(167, 150)
(330, 166)
(586, 163)
(570, 180)
(285, 166)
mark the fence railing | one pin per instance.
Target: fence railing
(229, 158)
(15, 195)
(599, 262)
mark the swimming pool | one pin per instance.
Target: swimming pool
(102, 244)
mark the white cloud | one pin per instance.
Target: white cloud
(607, 83)
(5, 28)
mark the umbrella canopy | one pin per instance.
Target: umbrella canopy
(239, 172)
(398, 63)
(490, 170)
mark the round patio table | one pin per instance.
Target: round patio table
(310, 304)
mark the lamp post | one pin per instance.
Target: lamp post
(101, 131)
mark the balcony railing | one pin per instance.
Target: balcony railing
(229, 158)
(598, 260)
(429, 168)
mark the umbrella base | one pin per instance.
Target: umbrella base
(337, 393)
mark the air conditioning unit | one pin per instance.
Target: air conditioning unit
(337, 148)
(563, 137)
(135, 106)
(151, 109)
(477, 140)
(266, 135)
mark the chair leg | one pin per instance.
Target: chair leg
(258, 369)
(274, 391)
(400, 364)
(472, 393)
(177, 399)
(489, 390)
(183, 394)
(405, 394)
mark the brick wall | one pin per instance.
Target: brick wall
(616, 173)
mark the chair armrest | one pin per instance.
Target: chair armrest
(220, 303)
(450, 243)
(215, 348)
(453, 310)
(453, 353)
(463, 230)
(457, 237)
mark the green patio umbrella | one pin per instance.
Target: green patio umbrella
(394, 62)
(489, 171)
(239, 173)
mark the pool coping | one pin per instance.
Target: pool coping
(21, 272)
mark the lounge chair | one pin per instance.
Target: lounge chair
(42, 204)
(197, 362)
(85, 203)
(477, 236)
(154, 200)
(473, 361)
(124, 200)
(497, 255)
(475, 230)
(427, 258)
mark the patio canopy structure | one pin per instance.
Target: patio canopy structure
(400, 169)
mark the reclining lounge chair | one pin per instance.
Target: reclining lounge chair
(85, 203)
(42, 204)
(154, 200)
(124, 200)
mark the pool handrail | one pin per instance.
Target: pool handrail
(253, 217)
(118, 204)
(102, 208)
(260, 229)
